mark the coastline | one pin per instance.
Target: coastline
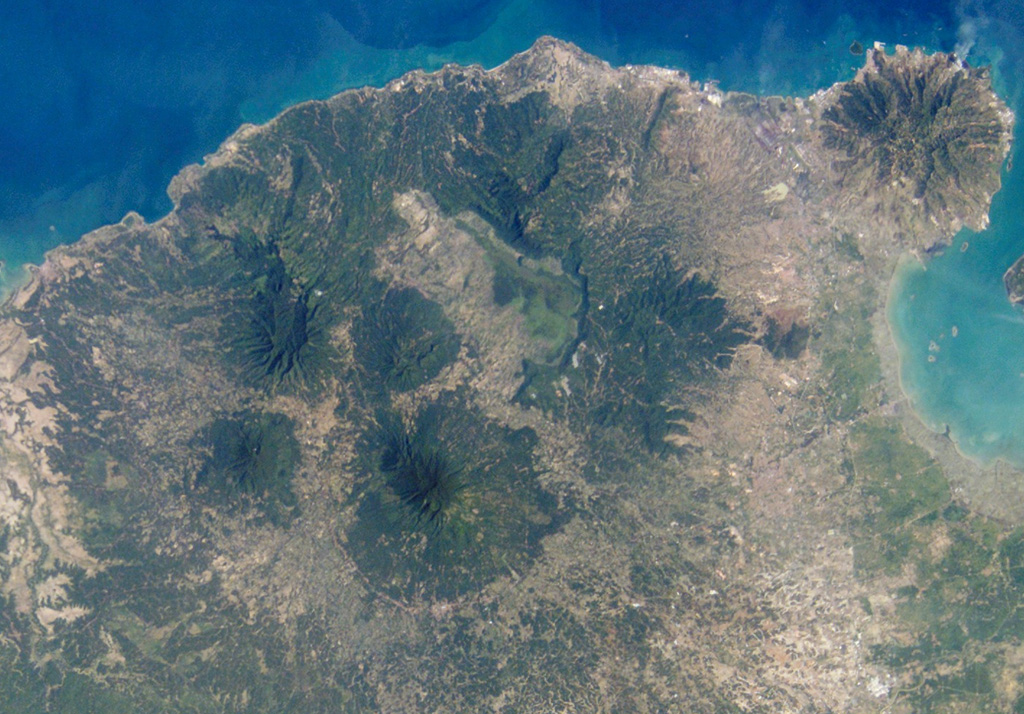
(771, 474)
(995, 487)
(13, 280)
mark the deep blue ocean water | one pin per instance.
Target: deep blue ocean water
(102, 103)
(970, 380)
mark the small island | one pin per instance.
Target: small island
(553, 387)
(1013, 279)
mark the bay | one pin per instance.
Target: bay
(105, 103)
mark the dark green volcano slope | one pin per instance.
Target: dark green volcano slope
(451, 396)
(448, 504)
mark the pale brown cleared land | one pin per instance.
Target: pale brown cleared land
(667, 465)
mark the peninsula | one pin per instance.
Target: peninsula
(554, 387)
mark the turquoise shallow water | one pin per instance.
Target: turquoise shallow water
(972, 383)
(104, 103)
